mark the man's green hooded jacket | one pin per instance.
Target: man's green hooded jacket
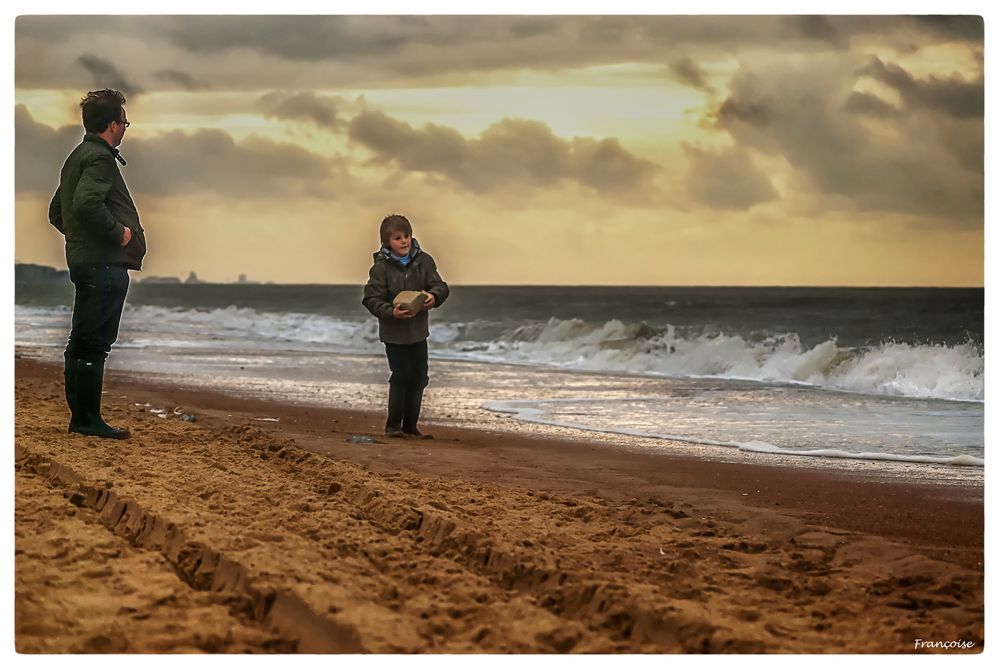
(92, 208)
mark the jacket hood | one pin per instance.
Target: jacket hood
(386, 252)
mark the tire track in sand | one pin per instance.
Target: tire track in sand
(417, 564)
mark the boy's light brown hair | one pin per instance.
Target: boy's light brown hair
(394, 223)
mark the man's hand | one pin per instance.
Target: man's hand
(401, 313)
(127, 237)
(430, 302)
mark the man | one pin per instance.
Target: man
(93, 209)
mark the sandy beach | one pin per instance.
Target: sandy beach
(234, 534)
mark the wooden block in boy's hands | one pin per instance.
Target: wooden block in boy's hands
(410, 300)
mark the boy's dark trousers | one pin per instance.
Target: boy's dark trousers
(408, 363)
(100, 298)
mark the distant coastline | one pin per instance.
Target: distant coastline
(34, 273)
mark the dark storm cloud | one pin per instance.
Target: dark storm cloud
(434, 148)
(604, 165)
(511, 152)
(39, 152)
(298, 37)
(57, 29)
(787, 34)
(211, 161)
(106, 75)
(387, 46)
(753, 112)
(321, 110)
(182, 79)
(960, 28)
(352, 50)
(688, 72)
(177, 163)
(964, 139)
(818, 28)
(727, 180)
(796, 111)
(604, 30)
(956, 97)
(869, 105)
(531, 27)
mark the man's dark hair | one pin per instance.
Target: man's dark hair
(394, 223)
(100, 108)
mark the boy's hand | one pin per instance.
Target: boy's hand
(400, 312)
(430, 302)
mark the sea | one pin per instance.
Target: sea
(804, 375)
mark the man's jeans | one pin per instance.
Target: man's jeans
(100, 298)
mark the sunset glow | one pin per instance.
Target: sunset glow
(661, 150)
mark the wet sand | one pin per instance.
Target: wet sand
(230, 534)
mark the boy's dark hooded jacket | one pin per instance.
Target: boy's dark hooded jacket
(92, 208)
(387, 278)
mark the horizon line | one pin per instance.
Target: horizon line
(576, 285)
(254, 282)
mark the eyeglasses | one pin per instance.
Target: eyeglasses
(124, 123)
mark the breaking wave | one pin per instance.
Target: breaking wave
(937, 371)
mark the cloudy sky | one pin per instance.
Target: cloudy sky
(664, 150)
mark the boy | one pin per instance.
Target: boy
(400, 265)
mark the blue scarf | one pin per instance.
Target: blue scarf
(414, 251)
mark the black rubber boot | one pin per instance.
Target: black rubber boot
(414, 403)
(87, 417)
(396, 408)
(70, 376)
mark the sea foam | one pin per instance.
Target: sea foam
(937, 371)
(925, 371)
